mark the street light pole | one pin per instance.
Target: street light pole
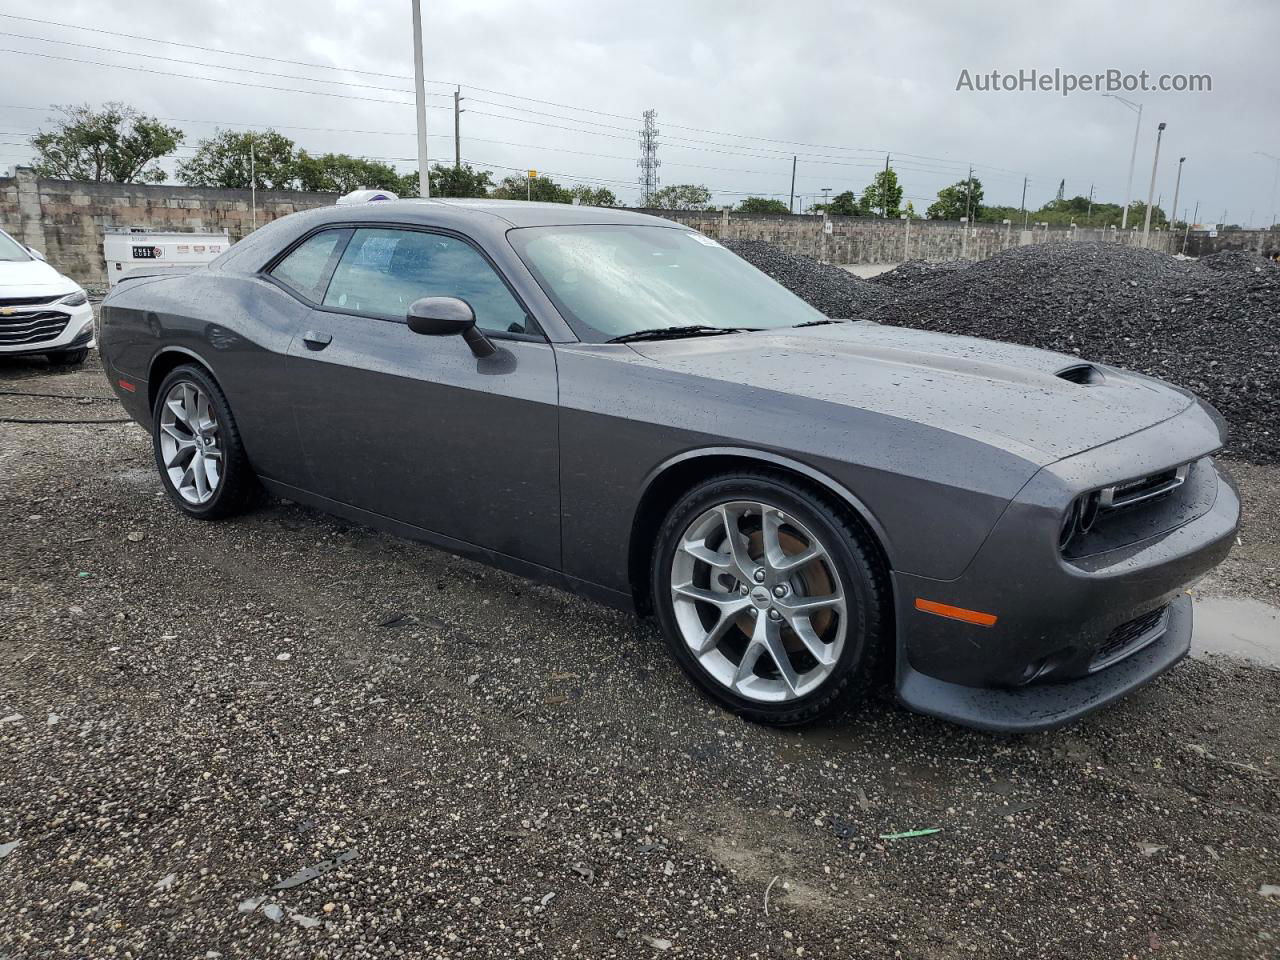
(420, 101)
(1177, 185)
(1274, 177)
(1133, 156)
(1151, 191)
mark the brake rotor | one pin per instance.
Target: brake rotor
(810, 580)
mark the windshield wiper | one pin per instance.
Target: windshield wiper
(674, 333)
(818, 323)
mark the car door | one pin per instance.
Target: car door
(417, 428)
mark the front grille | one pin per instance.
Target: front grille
(1130, 637)
(29, 301)
(31, 327)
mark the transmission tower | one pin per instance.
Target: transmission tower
(649, 162)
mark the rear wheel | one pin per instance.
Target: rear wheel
(198, 452)
(770, 598)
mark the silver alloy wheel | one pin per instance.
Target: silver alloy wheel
(189, 443)
(758, 601)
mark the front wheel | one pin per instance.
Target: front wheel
(773, 601)
(198, 452)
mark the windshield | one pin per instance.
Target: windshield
(613, 280)
(11, 249)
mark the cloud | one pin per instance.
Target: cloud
(838, 84)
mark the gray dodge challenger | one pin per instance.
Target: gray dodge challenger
(617, 405)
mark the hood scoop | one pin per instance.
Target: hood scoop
(1081, 373)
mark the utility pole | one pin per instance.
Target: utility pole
(1187, 232)
(420, 102)
(253, 183)
(1151, 191)
(968, 197)
(1274, 177)
(791, 205)
(1176, 187)
(1133, 156)
(1024, 203)
(884, 191)
(1088, 217)
(457, 128)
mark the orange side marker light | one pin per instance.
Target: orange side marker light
(956, 613)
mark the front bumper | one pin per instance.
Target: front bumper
(40, 329)
(1052, 655)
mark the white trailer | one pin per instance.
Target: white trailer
(126, 249)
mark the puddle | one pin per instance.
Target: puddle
(1237, 627)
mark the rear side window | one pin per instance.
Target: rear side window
(306, 269)
(383, 271)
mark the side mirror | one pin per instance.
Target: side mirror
(35, 253)
(448, 316)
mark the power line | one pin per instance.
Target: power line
(213, 66)
(236, 83)
(196, 46)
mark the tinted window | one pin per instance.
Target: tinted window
(306, 269)
(383, 271)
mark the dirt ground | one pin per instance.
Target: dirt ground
(191, 713)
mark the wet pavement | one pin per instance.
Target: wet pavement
(1240, 627)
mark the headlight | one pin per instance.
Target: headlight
(77, 299)
(1079, 518)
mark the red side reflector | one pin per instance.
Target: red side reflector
(127, 385)
(956, 613)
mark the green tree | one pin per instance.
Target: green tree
(883, 196)
(342, 173)
(682, 196)
(543, 189)
(592, 196)
(116, 144)
(762, 205)
(223, 160)
(962, 199)
(844, 205)
(450, 181)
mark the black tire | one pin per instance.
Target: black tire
(69, 358)
(856, 561)
(238, 486)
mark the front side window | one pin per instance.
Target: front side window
(383, 271)
(306, 269)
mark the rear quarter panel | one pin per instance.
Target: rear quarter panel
(239, 327)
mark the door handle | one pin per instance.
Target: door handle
(317, 341)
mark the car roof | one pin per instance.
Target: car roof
(516, 213)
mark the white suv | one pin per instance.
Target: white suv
(41, 311)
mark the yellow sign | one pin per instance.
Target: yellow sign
(533, 174)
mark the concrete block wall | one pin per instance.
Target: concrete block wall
(65, 219)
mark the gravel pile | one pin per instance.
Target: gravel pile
(834, 291)
(912, 271)
(1210, 325)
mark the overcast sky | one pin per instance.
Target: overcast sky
(848, 80)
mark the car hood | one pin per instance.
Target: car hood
(999, 393)
(18, 276)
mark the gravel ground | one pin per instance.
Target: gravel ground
(1207, 325)
(191, 713)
